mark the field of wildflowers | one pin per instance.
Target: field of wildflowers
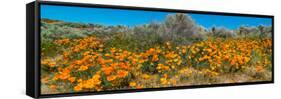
(100, 62)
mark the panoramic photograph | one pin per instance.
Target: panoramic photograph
(87, 49)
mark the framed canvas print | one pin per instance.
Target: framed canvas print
(84, 49)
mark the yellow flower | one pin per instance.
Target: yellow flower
(83, 68)
(132, 84)
(52, 64)
(163, 81)
(107, 55)
(113, 50)
(79, 80)
(111, 78)
(145, 76)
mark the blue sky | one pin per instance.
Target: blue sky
(107, 16)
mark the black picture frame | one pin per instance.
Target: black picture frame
(33, 48)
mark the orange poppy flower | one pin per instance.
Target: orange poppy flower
(122, 73)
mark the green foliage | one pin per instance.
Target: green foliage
(179, 29)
